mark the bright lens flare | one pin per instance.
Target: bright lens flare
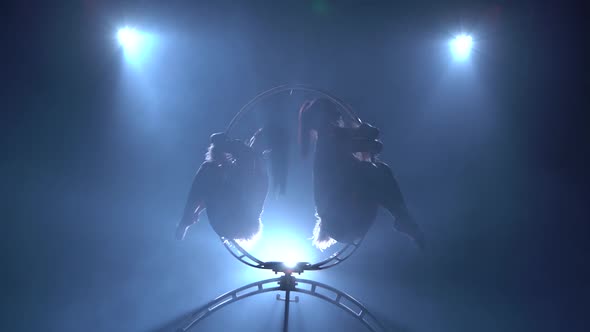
(461, 46)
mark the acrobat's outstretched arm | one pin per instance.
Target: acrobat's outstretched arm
(195, 203)
(364, 131)
(391, 199)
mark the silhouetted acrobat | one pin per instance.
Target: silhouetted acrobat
(349, 182)
(231, 186)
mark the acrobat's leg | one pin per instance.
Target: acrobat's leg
(195, 203)
(391, 198)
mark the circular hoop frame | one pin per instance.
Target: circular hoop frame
(344, 108)
(235, 249)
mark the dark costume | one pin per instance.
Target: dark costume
(349, 182)
(231, 185)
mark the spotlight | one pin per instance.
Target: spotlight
(129, 38)
(461, 46)
(133, 42)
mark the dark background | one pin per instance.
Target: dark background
(97, 158)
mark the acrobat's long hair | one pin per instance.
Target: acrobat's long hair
(273, 141)
(306, 127)
(314, 115)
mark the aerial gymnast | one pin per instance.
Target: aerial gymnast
(232, 183)
(349, 181)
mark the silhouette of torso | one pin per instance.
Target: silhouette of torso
(343, 191)
(235, 196)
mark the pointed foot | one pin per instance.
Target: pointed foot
(181, 231)
(410, 228)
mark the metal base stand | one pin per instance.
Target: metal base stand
(288, 283)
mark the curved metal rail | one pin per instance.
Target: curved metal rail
(338, 257)
(243, 256)
(229, 298)
(345, 108)
(289, 283)
(342, 301)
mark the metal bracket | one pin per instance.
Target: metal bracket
(279, 298)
